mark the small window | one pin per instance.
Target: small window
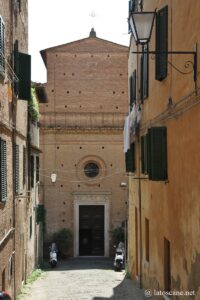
(2, 47)
(3, 170)
(91, 169)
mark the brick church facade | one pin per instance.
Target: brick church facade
(81, 138)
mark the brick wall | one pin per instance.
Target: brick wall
(83, 121)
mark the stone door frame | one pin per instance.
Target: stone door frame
(92, 198)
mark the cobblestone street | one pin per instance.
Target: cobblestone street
(84, 279)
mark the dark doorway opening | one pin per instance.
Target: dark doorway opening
(91, 230)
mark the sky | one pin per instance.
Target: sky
(56, 22)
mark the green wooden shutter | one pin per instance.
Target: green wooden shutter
(129, 12)
(144, 154)
(161, 43)
(37, 168)
(32, 171)
(30, 226)
(24, 166)
(24, 75)
(132, 89)
(141, 78)
(3, 171)
(148, 148)
(2, 47)
(130, 159)
(130, 92)
(17, 168)
(145, 70)
(40, 217)
(158, 153)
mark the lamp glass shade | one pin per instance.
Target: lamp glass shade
(141, 25)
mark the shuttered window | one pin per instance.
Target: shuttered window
(157, 152)
(144, 74)
(132, 89)
(32, 171)
(161, 43)
(130, 159)
(2, 47)
(24, 166)
(144, 154)
(145, 71)
(16, 168)
(37, 168)
(22, 68)
(3, 170)
(141, 78)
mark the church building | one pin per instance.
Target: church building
(83, 179)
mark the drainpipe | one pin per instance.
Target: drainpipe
(139, 180)
(140, 212)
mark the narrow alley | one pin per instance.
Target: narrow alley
(84, 279)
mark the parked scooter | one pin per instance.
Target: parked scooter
(119, 257)
(53, 255)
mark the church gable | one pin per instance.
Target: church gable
(91, 44)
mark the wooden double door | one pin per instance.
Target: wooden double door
(91, 230)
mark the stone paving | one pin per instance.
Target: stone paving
(84, 279)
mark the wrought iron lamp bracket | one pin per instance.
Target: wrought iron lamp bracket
(187, 63)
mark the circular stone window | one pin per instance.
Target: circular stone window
(91, 169)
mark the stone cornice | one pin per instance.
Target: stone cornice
(83, 130)
(82, 121)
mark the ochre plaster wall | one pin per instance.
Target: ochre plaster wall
(172, 207)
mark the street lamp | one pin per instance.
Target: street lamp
(141, 24)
